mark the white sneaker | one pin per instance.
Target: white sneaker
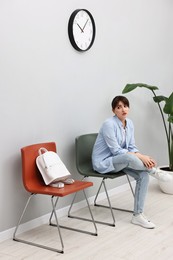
(142, 221)
(68, 181)
(57, 185)
(161, 176)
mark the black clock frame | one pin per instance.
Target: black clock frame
(70, 29)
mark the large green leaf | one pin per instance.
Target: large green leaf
(168, 108)
(130, 87)
(159, 99)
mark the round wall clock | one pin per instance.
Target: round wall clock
(81, 29)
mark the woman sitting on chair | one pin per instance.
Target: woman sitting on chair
(115, 150)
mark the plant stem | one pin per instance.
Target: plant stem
(162, 117)
(171, 147)
(168, 132)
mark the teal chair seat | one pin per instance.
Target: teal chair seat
(84, 146)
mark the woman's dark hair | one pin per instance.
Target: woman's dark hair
(117, 99)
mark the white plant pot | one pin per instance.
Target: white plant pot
(166, 187)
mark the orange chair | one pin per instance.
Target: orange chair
(34, 184)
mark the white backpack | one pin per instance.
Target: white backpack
(51, 167)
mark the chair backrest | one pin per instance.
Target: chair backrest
(84, 147)
(30, 173)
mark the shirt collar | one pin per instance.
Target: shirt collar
(120, 124)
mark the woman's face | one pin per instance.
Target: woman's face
(121, 111)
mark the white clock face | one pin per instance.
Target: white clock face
(83, 30)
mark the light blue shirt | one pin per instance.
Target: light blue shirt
(111, 141)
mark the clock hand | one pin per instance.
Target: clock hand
(80, 27)
(85, 24)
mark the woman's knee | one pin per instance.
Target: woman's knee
(131, 158)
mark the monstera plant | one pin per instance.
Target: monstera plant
(166, 111)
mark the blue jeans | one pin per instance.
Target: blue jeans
(133, 166)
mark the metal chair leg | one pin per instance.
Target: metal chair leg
(98, 192)
(100, 205)
(51, 215)
(130, 185)
(50, 219)
(110, 207)
(20, 219)
(96, 221)
(36, 244)
(71, 216)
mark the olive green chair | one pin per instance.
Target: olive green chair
(84, 146)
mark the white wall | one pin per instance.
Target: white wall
(50, 92)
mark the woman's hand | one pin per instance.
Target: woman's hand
(147, 160)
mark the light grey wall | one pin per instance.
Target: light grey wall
(50, 92)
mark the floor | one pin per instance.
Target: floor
(124, 241)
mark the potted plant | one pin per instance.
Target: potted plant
(166, 112)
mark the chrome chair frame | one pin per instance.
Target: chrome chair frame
(56, 224)
(88, 171)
